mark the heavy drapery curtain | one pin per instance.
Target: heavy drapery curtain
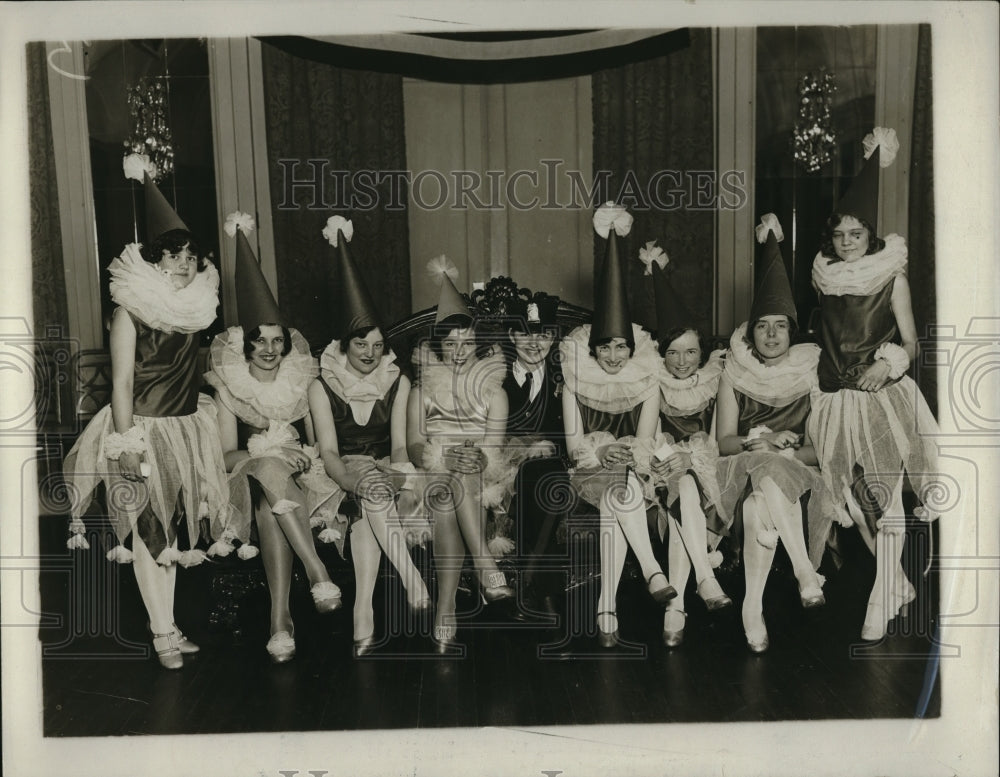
(353, 120)
(656, 116)
(920, 239)
(49, 287)
(50, 320)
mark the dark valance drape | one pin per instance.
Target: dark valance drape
(650, 117)
(352, 120)
(920, 239)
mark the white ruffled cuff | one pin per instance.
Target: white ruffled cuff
(586, 453)
(896, 357)
(117, 443)
(270, 442)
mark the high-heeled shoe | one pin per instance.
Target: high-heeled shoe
(661, 595)
(186, 646)
(812, 595)
(712, 595)
(875, 623)
(364, 646)
(607, 639)
(444, 637)
(281, 647)
(905, 599)
(326, 597)
(167, 650)
(498, 590)
(674, 636)
(757, 640)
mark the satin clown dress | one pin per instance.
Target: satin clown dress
(610, 406)
(456, 408)
(775, 399)
(271, 415)
(177, 422)
(686, 409)
(362, 414)
(881, 433)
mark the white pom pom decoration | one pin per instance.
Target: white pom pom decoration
(769, 223)
(883, 138)
(239, 220)
(335, 224)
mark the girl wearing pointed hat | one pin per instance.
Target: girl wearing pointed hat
(456, 427)
(156, 446)
(360, 424)
(870, 422)
(262, 371)
(611, 413)
(765, 467)
(688, 387)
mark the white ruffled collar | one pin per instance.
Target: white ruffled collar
(256, 402)
(361, 393)
(634, 384)
(863, 277)
(467, 392)
(686, 396)
(776, 385)
(148, 294)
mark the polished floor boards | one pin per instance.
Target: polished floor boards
(504, 674)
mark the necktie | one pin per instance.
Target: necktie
(527, 384)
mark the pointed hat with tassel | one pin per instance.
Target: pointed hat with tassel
(774, 293)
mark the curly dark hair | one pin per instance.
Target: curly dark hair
(443, 328)
(253, 334)
(172, 241)
(875, 243)
(664, 340)
(629, 341)
(360, 333)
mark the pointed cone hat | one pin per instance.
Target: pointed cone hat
(671, 312)
(160, 215)
(611, 312)
(774, 292)
(254, 301)
(357, 310)
(861, 198)
(450, 301)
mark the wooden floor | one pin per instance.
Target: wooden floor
(506, 674)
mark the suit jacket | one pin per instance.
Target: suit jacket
(541, 417)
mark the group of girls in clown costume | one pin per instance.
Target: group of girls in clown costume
(673, 445)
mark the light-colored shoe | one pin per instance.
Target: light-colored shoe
(673, 632)
(168, 651)
(757, 638)
(326, 597)
(875, 623)
(281, 647)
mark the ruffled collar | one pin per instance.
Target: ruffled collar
(361, 393)
(637, 381)
(467, 392)
(148, 294)
(777, 385)
(257, 402)
(685, 396)
(863, 277)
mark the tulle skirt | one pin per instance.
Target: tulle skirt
(886, 432)
(186, 469)
(705, 472)
(741, 475)
(286, 490)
